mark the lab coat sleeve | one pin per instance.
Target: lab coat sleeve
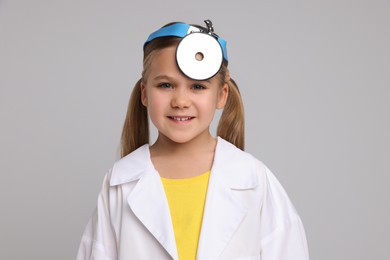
(283, 235)
(98, 241)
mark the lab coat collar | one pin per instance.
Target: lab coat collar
(135, 164)
(132, 166)
(232, 170)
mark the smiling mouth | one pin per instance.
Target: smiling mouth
(181, 118)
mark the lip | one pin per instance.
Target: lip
(181, 119)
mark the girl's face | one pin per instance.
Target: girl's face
(181, 108)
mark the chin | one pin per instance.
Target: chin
(180, 139)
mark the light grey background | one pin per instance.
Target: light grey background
(314, 75)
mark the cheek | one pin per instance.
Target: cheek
(208, 105)
(155, 103)
(151, 98)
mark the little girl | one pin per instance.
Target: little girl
(189, 195)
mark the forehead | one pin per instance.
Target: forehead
(164, 60)
(163, 63)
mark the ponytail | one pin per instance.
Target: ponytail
(231, 124)
(135, 131)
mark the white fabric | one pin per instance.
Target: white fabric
(247, 214)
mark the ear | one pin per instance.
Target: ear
(222, 96)
(144, 99)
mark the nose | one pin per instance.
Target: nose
(181, 98)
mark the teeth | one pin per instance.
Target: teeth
(181, 118)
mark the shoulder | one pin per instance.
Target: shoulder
(233, 155)
(130, 167)
(241, 168)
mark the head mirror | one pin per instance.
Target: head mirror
(200, 53)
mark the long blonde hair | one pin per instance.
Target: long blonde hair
(135, 131)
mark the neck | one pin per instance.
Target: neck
(202, 143)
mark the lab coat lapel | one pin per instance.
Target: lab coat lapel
(149, 204)
(223, 210)
(147, 200)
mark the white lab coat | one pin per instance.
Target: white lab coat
(247, 214)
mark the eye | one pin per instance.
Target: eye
(165, 85)
(197, 87)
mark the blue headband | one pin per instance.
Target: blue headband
(181, 30)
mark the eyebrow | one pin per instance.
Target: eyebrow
(166, 77)
(159, 77)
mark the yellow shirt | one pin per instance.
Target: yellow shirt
(186, 199)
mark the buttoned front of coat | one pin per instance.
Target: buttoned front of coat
(247, 213)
